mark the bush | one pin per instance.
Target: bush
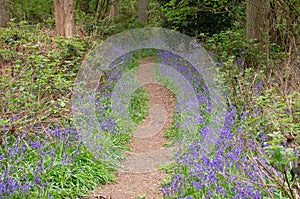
(34, 11)
(195, 17)
(52, 160)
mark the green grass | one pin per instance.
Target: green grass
(68, 169)
(139, 104)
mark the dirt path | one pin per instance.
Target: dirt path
(138, 176)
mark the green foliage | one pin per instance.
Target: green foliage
(87, 6)
(102, 27)
(91, 15)
(284, 25)
(38, 70)
(33, 11)
(142, 196)
(83, 175)
(144, 53)
(282, 127)
(69, 169)
(37, 75)
(266, 89)
(138, 107)
(196, 17)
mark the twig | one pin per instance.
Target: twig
(281, 184)
(287, 180)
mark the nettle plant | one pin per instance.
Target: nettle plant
(237, 166)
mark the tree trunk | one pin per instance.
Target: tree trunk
(142, 11)
(257, 13)
(113, 10)
(3, 14)
(64, 17)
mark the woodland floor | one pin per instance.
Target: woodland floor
(138, 176)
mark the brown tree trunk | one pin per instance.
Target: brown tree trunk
(64, 17)
(142, 11)
(258, 25)
(113, 10)
(3, 14)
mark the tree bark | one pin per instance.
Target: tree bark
(258, 25)
(142, 11)
(3, 14)
(113, 10)
(64, 17)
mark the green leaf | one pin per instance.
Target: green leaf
(277, 155)
(62, 104)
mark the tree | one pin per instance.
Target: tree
(194, 17)
(142, 11)
(258, 22)
(113, 10)
(3, 14)
(64, 17)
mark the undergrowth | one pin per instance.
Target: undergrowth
(41, 153)
(257, 153)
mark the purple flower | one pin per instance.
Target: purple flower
(36, 144)
(240, 62)
(14, 118)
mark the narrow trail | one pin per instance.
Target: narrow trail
(138, 176)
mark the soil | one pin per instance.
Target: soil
(139, 176)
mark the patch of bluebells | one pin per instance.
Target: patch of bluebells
(122, 64)
(196, 81)
(24, 163)
(95, 115)
(189, 72)
(105, 90)
(228, 171)
(225, 172)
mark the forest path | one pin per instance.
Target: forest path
(138, 176)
